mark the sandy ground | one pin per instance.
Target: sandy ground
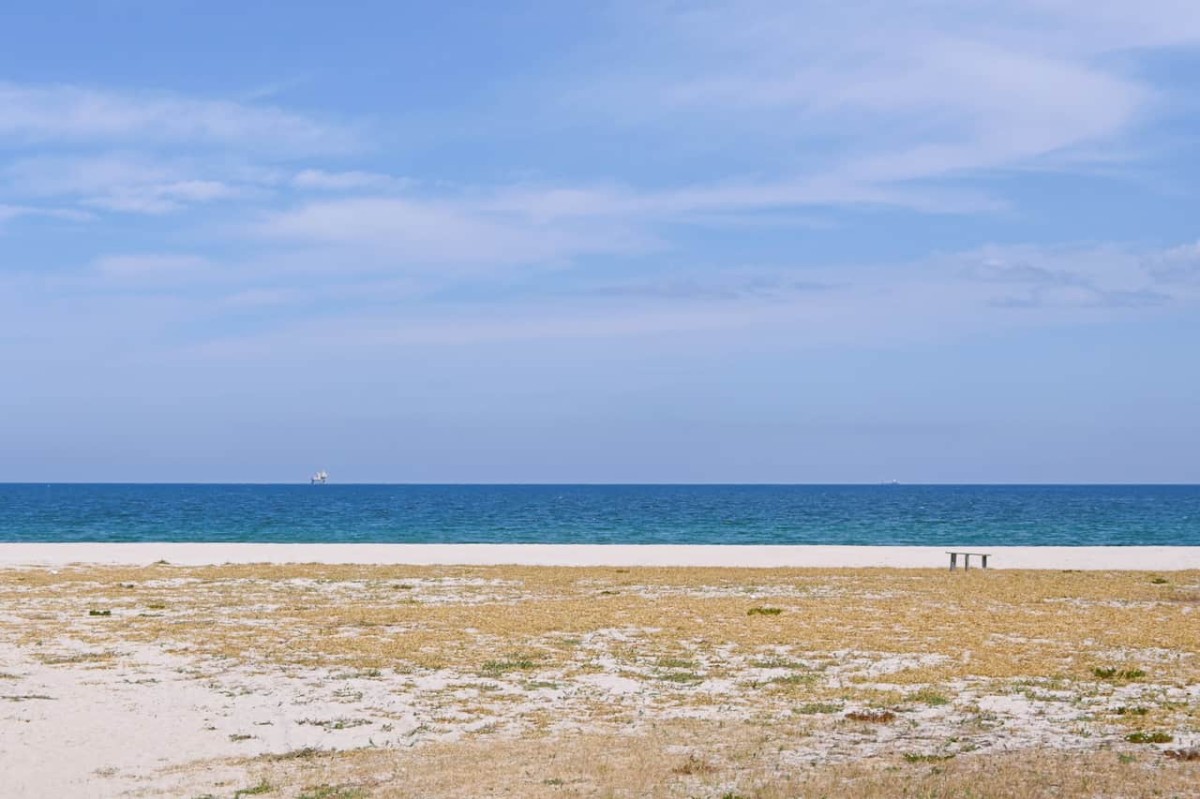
(1103, 558)
(166, 680)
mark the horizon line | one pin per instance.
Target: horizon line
(601, 484)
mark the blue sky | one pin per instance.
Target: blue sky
(614, 241)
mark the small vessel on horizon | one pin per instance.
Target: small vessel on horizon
(320, 478)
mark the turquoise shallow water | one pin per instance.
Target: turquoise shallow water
(879, 515)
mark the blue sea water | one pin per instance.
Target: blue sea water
(735, 514)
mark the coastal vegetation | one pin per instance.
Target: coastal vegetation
(574, 682)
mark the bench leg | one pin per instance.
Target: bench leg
(966, 562)
(953, 560)
(985, 557)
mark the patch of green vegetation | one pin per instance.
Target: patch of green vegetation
(794, 679)
(235, 737)
(94, 612)
(255, 790)
(495, 668)
(778, 663)
(1112, 673)
(554, 781)
(872, 716)
(764, 611)
(297, 754)
(681, 677)
(336, 724)
(676, 663)
(333, 792)
(74, 657)
(914, 757)
(1149, 737)
(812, 708)
(1132, 711)
(156, 606)
(930, 697)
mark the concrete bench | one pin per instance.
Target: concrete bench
(966, 559)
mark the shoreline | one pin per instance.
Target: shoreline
(1105, 558)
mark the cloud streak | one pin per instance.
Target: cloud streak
(69, 114)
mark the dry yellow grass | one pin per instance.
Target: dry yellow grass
(706, 760)
(755, 675)
(988, 624)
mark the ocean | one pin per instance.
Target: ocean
(940, 515)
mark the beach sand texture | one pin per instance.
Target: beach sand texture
(1089, 558)
(353, 681)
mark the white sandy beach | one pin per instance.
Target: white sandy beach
(199, 554)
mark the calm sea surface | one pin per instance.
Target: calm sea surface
(929, 515)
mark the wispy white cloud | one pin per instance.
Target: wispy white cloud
(162, 197)
(991, 289)
(444, 232)
(322, 180)
(8, 212)
(869, 100)
(118, 182)
(73, 114)
(1177, 265)
(150, 267)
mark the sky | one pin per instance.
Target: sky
(618, 241)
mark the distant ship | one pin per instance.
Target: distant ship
(320, 478)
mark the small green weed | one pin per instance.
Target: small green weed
(495, 668)
(930, 697)
(333, 792)
(763, 611)
(335, 724)
(1111, 673)
(913, 757)
(1149, 738)
(794, 679)
(681, 677)
(261, 788)
(878, 716)
(297, 754)
(778, 663)
(95, 612)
